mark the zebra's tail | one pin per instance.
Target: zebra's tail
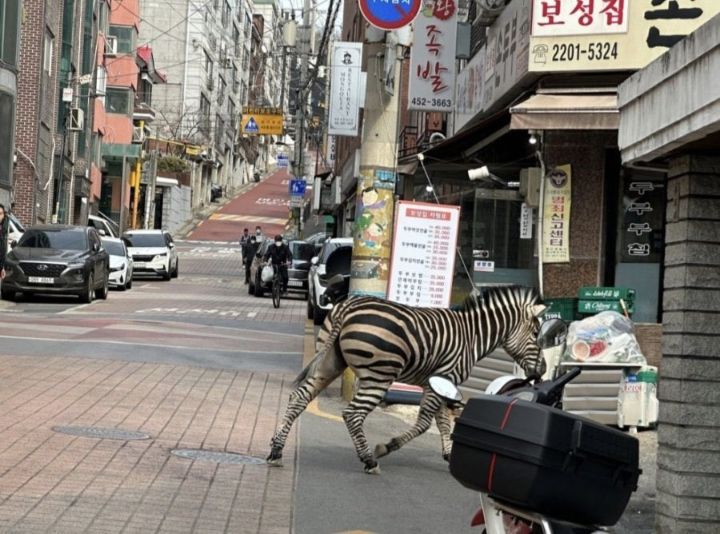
(331, 327)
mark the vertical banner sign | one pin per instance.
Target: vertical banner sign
(423, 254)
(432, 59)
(345, 86)
(526, 214)
(330, 154)
(556, 217)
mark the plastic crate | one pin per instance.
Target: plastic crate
(561, 308)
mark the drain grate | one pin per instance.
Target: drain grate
(101, 433)
(217, 457)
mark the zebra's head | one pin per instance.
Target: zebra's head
(521, 339)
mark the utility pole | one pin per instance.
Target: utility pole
(304, 51)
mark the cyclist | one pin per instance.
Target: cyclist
(280, 256)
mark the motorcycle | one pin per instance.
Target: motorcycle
(537, 468)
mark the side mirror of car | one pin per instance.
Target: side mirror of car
(315, 260)
(102, 232)
(13, 243)
(171, 245)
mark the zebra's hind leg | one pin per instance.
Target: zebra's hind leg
(442, 418)
(429, 406)
(368, 395)
(324, 368)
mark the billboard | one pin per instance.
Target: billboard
(345, 89)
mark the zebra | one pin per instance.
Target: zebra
(384, 342)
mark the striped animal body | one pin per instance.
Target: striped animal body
(384, 342)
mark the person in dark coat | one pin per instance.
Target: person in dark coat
(280, 256)
(250, 250)
(3, 240)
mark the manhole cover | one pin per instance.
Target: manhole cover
(101, 433)
(217, 457)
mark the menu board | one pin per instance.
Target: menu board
(423, 254)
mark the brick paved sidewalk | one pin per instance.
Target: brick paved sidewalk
(53, 482)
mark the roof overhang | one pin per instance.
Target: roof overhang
(576, 110)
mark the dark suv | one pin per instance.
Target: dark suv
(57, 259)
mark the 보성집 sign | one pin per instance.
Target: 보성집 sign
(423, 254)
(596, 35)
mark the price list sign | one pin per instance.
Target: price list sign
(423, 254)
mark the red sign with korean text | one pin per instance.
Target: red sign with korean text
(579, 17)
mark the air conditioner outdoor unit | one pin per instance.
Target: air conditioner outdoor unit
(77, 120)
(110, 45)
(138, 135)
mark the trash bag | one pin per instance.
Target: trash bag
(607, 337)
(267, 274)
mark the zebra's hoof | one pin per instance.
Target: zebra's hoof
(381, 450)
(275, 458)
(372, 469)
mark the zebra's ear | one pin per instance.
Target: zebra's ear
(538, 309)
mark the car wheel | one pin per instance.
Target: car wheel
(310, 311)
(102, 293)
(166, 276)
(318, 315)
(259, 291)
(128, 284)
(176, 272)
(88, 293)
(7, 294)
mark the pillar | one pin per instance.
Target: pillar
(688, 477)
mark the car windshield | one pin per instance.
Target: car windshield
(58, 239)
(301, 250)
(145, 240)
(114, 248)
(329, 247)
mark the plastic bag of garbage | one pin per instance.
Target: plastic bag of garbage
(267, 274)
(603, 338)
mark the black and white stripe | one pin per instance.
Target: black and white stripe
(384, 342)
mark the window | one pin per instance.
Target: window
(248, 23)
(231, 112)
(7, 117)
(9, 30)
(219, 129)
(236, 80)
(226, 14)
(204, 118)
(48, 49)
(208, 67)
(118, 100)
(245, 59)
(126, 38)
(221, 91)
(237, 41)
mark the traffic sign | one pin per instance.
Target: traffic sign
(297, 188)
(390, 14)
(251, 126)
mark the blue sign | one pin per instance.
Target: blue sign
(297, 188)
(282, 161)
(251, 126)
(390, 14)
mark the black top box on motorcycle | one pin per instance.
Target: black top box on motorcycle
(542, 459)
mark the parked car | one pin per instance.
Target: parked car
(121, 263)
(153, 252)
(57, 259)
(302, 255)
(104, 226)
(216, 192)
(318, 276)
(317, 240)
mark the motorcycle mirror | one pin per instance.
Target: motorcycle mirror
(445, 388)
(552, 333)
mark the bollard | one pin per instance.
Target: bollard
(348, 384)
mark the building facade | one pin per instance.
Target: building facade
(9, 52)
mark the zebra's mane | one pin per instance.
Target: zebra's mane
(480, 296)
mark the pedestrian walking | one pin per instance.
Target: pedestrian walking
(3, 240)
(251, 249)
(259, 235)
(244, 239)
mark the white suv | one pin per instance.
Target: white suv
(317, 280)
(152, 251)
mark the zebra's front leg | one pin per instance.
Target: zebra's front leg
(367, 397)
(299, 399)
(442, 418)
(429, 406)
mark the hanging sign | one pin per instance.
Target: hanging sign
(423, 254)
(556, 216)
(345, 89)
(526, 213)
(432, 57)
(389, 14)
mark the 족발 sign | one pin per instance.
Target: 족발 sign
(432, 57)
(262, 121)
(556, 215)
(389, 14)
(423, 254)
(345, 87)
(596, 35)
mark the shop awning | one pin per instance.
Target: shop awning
(161, 181)
(567, 111)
